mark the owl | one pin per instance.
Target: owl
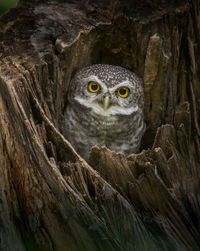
(104, 108)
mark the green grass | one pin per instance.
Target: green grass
(6, 5)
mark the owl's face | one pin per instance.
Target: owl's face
(107, 90)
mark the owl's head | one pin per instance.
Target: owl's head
(107, 90)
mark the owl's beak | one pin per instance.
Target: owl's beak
(106, 102)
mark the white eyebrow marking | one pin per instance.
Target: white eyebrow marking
(96, 79)
(125, 83)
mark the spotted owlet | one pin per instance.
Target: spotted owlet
(105, 108)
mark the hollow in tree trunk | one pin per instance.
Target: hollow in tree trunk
(51, 198)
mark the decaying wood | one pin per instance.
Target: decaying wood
(52, 199)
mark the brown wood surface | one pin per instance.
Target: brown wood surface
(50, 198)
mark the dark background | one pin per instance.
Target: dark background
(6, 5)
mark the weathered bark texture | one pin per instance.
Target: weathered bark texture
(50, 198)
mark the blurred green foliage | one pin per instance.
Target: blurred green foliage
(6, 5)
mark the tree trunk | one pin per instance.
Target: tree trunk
(52, 199)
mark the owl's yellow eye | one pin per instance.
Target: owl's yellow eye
(93, 86)
(123, 92)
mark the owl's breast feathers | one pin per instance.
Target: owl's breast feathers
(85, 128)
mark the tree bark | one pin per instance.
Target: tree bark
(52, 199)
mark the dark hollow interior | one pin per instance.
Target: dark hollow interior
(117, 44)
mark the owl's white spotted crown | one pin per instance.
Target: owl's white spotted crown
(108, 73)
(105, 107)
